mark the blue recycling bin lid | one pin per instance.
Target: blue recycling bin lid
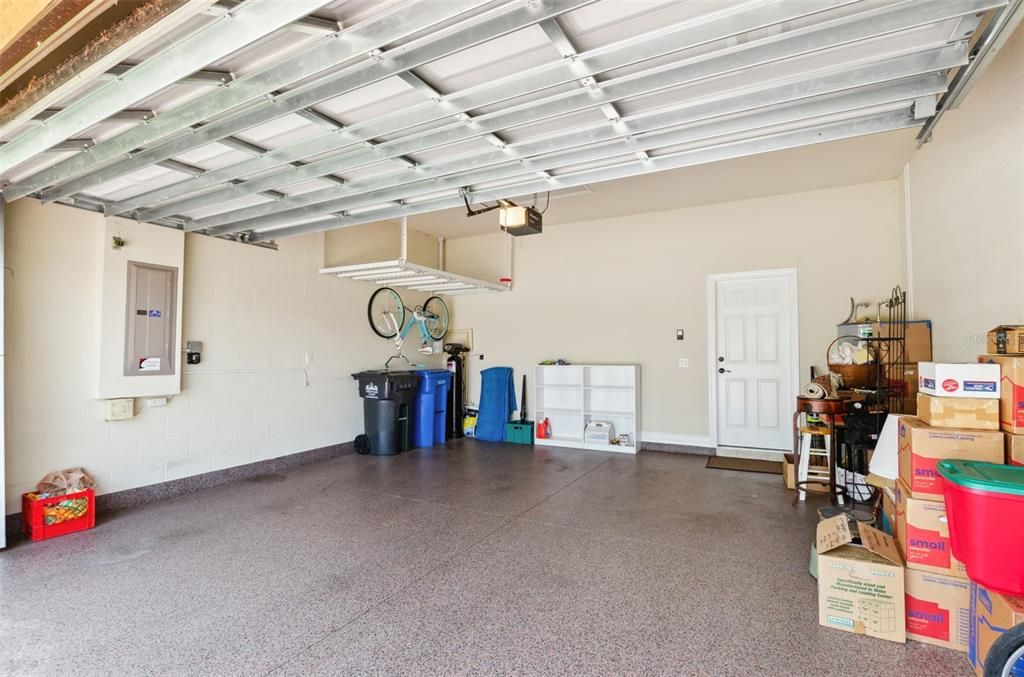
(432, 379)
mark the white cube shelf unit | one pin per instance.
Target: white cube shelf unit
(571, 396)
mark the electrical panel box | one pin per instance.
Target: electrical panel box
(150, 323)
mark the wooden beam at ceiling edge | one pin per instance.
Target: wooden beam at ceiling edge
(32, 28)
(147, 22)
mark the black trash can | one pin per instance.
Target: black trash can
(387, 405)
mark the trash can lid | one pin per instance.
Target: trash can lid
(386, 373)
(1006, 479)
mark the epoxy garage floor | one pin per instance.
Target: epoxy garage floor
(471, 559)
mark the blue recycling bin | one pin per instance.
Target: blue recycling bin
(431, 407)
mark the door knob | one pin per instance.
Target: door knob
(724, 371)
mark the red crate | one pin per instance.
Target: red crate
(35, 511)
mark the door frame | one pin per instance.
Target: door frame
(790, 274)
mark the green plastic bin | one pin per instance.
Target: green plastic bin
(519, 432)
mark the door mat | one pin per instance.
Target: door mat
(745, 464)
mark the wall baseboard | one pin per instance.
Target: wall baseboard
(129, 498)
(673, 438)
(676, 444)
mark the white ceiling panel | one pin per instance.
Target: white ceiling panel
(282, 131)
(508, 54)
(597, 25)
(378, 98)
(212, 156)
(241, 203)
(554, 126)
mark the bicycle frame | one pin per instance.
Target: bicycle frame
(419, 319)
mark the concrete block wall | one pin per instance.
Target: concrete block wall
(255, 311)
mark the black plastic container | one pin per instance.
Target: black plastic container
(387, 405)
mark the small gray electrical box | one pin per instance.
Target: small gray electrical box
(193, 346)
(150, 325)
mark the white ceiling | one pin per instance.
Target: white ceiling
(649, 104)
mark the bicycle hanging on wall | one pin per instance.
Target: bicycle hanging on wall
(387, 314)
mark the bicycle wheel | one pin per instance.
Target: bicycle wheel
(1006, 655)
(436, 317)
(386, 312)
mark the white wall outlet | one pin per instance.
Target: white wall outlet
(156, 402)
(684, 363)
(120, 409)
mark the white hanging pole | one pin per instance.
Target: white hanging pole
(507, 280)
(440, 253)
(404, 229)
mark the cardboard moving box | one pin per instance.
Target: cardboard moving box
(1011, 397)
(948, 379)
(958, 412)
(938, 609)
(921, 447)
(917, 345)
(992, 614)
(922, 532)
(1014, 449)
(910, 379)
(1006, 339)
(860, 588)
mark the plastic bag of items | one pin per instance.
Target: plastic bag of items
(850, 353)
(65, 481)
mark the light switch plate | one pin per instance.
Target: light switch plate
(120, 409)
(684, 363)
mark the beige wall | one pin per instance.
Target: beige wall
(616, 290)
(159, 246)
(372, 242)
(254, 309)
(966, 212)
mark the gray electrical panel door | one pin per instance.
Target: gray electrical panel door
(149, 348)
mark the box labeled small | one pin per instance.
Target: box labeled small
(1011, 390)
(922, 446)
(938, 609)
(922, 531)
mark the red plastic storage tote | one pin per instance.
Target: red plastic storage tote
(985, 509)
(57, 515)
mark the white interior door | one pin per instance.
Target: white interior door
(755, 360)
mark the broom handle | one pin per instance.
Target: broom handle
(522, 406)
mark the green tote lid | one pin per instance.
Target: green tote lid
(1005, 479)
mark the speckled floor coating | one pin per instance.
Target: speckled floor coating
(468, 559)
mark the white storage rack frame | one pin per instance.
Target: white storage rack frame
(585, 393)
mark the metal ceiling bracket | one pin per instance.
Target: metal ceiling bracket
(845, 30)
(495, 24)
(384, 29)
(250, 21)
